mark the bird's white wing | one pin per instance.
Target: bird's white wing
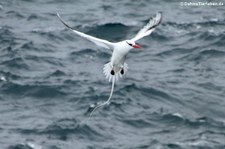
(147, 29)
(100, 42)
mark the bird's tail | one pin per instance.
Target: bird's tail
(108, 68)
(106, 102)
(107, 71)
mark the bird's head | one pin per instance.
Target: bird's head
(132, 44)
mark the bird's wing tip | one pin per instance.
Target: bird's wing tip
(159, 15)
(160, 12)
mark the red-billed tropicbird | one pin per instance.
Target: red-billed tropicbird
(117, 66)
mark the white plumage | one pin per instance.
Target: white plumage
(117, 66)
(120, 49)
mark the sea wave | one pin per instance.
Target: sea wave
(172, 96)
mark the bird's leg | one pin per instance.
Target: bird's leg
(112, 71)
(122, 71)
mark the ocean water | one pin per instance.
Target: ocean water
(171, 98)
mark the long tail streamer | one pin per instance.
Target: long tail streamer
(106, 102)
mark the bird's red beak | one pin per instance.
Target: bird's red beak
(136, 46)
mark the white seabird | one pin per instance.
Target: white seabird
(117, 66)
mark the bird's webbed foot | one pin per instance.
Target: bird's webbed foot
(112, 72)
(122, 71)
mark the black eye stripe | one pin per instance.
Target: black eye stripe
(129, 44)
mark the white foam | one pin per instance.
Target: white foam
(2, 78)
(34, 146)
(178, 115)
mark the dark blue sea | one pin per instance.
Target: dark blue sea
(173, 96)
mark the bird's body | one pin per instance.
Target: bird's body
(119, 55)
(117, 66)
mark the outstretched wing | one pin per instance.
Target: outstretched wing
(147, 29)
(100, 42)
